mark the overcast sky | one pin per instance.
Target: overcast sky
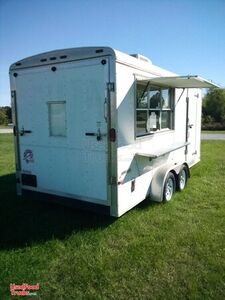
(184, 36)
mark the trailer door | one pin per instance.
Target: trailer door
(62, 126)
(193, 123)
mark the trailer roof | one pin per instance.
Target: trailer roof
(189, 81)
(162, 76)
(73, 54)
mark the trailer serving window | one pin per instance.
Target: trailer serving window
(154, 108)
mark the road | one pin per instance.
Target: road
(6, 130)
(212, 136)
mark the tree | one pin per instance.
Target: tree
(3, 117)
(8, 111)
(214, 105)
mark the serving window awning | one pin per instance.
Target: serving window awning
(189, 81)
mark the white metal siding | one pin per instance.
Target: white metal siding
(74, 164)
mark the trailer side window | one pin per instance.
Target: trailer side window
(57, 118)
(154, 108)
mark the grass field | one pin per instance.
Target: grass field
(170, 251)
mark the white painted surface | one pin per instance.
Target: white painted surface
(73, 164)
(134, 168)
(77, 165)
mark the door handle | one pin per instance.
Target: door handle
(190, 125)
(98, 134)
(23, 131)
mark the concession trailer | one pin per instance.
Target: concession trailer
(98, 128)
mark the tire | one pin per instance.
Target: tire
(182, 178)
(169, 187)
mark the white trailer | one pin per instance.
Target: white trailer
(100, 128)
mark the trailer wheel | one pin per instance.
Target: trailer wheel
(169, 187)
(182, 178)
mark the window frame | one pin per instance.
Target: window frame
(147, 87)
(49, 103)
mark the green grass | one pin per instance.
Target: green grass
(156, 251)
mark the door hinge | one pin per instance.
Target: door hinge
(113, 180)
(111, 86)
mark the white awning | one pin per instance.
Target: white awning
(190, 81)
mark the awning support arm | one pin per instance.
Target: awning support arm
(180, 96)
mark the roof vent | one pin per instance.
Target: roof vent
(141, 57)
(99, 51)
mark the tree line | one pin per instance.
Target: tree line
(5, 115)
(213, 110)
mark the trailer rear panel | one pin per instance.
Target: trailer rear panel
(61, 124)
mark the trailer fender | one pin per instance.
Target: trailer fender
(157, 183)
(158, 180)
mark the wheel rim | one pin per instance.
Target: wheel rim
(182, 178)
(169, 189)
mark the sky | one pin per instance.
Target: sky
(183, 36)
